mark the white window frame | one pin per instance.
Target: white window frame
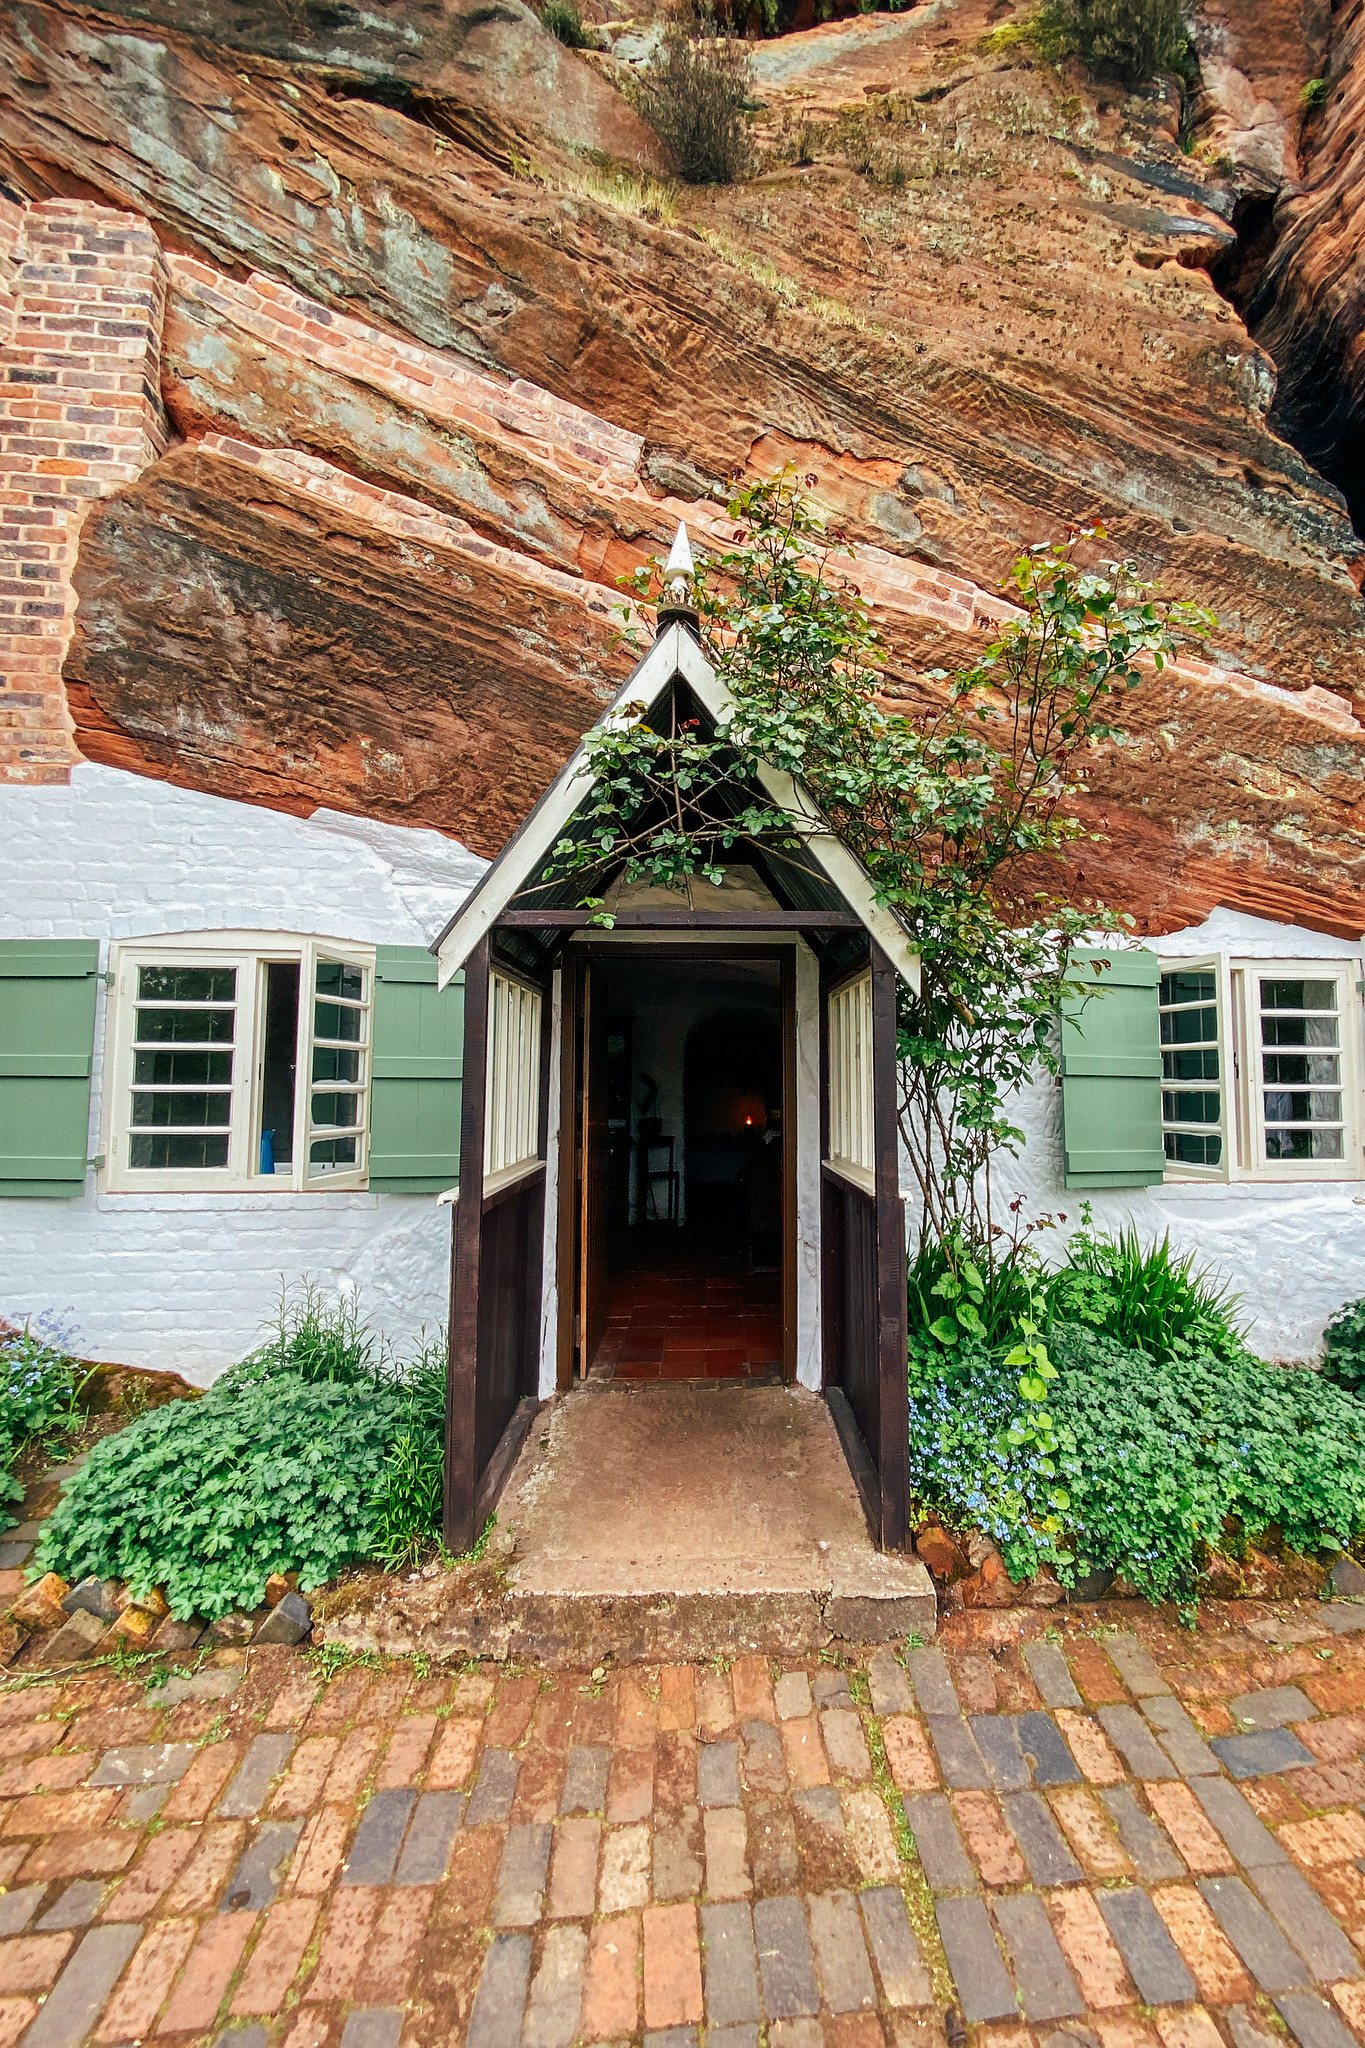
(1239, 1044)
(1184, 1169)
(512, 1104)
(250, 953)
(1346, 974)
(852, 1138)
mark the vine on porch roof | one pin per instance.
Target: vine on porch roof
(960, 808)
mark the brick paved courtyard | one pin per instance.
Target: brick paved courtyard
(1127, 1837)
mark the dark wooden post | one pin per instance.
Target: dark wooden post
(466, 1249)
(894, 1446)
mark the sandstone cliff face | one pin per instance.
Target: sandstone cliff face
(429, 395)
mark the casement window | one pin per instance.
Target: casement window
(1239, 1069)
(1298, 1052)
(1192, 1075)
(233, 1061)
(237, 1065)
(850, 1107)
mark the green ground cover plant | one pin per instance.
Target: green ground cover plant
(1167, 1439)
(316, 1451)
(1344, 1344)
(40, 1388)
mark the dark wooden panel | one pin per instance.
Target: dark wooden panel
(509, 1310)
(790, 1130)
(850, 1304)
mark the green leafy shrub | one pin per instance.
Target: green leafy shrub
(208, 1499)
(1163, 1461)
(322, 1342)
(408, 1497)
(1313, 94)
(962, 1292)
(1132, 41)
(1344, 1340)
(315, 1451)
(40, 1387)
(1151, 1298)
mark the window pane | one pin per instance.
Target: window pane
(343, 1110)
(1187, 988)
(1186, 1107)
(1303, 1144)
(182, 1069)
(1315, 1107)
(185, 1027)
(1187, 1148)
(1299, 1031)
(166, 1150)
(188, 1109)
(331, 1020)
(1188, 1027)
(332, 1152)
(1298, 995)
(1190, 1066)
(1324, 1069)
(330, 1063)
(337, 978)
(187, 984)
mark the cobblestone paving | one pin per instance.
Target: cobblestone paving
(1124, 1837)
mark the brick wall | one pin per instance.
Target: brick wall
(82, 296)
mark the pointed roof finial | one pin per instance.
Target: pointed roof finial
(677, 600)
(679, 568)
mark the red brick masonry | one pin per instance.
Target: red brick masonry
(1140, 1838)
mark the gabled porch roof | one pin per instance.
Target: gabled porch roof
(675, 656)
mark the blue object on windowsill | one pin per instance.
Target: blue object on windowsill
(267, 1152)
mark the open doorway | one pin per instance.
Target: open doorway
(684, 1169)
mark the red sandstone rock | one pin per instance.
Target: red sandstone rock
(940, 1552)
(967, 341)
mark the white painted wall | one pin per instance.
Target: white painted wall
(183, 1282)
(1293, 1250)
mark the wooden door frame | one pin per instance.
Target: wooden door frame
(891, 1262)
(884, 1486)
(470, 1493)
(574, 959)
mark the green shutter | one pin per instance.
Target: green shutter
(47, 1037)
(1111, 1075)
(418, 1062)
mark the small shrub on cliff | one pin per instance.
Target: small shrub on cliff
(565, 24)
(1130, 40)
(694, 99)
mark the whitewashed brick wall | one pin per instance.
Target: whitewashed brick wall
(183, 1282)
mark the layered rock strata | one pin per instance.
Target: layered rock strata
(433, 387)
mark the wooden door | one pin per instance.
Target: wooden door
(594, 1165)
(499, 1238)
(863, 1275)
